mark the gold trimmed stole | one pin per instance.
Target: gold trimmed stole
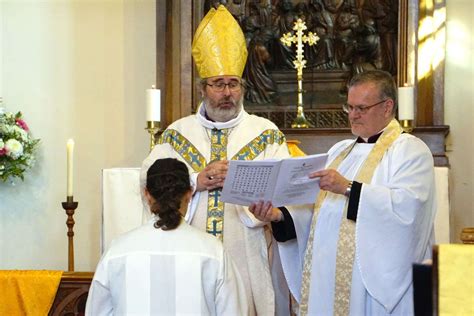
(346, 242)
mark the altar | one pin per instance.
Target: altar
(123, 210)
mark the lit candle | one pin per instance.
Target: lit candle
(153, 104)
(406, 103)
(70, 150)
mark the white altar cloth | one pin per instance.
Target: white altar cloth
(123, 207)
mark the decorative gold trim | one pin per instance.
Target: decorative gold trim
(256, 146)
(215, 207)
(184, 148)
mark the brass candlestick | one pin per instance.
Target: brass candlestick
(407, 125)
(152, 127)
(70, 206)
(300, 63)
(467, 235)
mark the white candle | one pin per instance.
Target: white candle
(153, 104)
(70, 150)
(406, 103)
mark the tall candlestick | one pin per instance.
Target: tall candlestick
(70, 151)
(153, 104)
(406, 103)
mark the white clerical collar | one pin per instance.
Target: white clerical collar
(201, 116)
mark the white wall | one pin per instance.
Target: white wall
(459, 114)
(75, 68)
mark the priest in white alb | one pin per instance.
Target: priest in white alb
(352, 254)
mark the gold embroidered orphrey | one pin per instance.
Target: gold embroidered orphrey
(219, 142)
(215, 207)
(346, 244)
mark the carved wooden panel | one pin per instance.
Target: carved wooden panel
(72, 294)
(354, 36)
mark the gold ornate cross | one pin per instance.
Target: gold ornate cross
(299, 63)
(299, 39)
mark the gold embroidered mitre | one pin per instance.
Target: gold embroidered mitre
(219, 45)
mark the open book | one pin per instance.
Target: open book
(283, 182)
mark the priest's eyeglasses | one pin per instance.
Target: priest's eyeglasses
(234, 86)
(359, 109)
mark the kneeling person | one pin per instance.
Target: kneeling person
(166, 266)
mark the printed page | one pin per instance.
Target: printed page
(249, 181)
(293, 185)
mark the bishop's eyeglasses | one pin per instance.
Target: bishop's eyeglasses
(359, 109)
(234, 86)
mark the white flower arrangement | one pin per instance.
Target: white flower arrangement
(17, 146)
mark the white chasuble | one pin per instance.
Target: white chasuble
(250, 138)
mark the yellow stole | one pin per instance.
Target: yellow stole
(346, 243)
